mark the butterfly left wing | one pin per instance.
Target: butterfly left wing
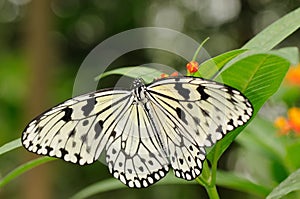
(193, 113)
(80, 129)
(77, 130)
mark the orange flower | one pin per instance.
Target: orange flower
(192, 66)
(283, 125)
(174, 74)
(293, 75)
(294, 119)
(292, 123)
(163, 75)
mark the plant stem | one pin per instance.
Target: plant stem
(199, 48)
(214, 164)
(208, 181)
(212, 192)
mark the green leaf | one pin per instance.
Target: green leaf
(99, 187)
(114, 184)
(147, 73)
(276, 32)
(210, 67)
(233, 181)
(23, 168)
(289, 53)
(292, 155)
(225, 179)
(10, 146)
(291, 183)
(258, 77)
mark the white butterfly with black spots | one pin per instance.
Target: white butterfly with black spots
(142, 132)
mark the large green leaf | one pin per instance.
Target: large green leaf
(289, 53)
(291, 183)
(258, 77)
(276, 32)
(210, 67)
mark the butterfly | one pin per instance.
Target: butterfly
(144, 131)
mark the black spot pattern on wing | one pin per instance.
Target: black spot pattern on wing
(180, 113)
(88, 108)
(202, 92)
(98, 128)
(185, 93)
(68, 113)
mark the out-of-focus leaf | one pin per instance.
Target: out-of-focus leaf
(10, 146)
(24, 168)
(233, 181)
(291, 183)
(260, 137)
(114, 184)
(276, 32)
(148, 74)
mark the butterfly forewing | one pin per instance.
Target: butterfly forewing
(144, 131)
(77, 129)
(211, 109)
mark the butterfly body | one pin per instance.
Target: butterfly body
(143, 132)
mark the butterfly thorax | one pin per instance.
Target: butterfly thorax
(139, 89)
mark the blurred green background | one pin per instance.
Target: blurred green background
(43, 43)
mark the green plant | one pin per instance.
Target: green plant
(257, 71)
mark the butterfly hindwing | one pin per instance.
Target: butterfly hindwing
(135, 155)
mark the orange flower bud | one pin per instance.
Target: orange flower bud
(192, 66)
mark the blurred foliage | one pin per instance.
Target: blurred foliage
(78, 26)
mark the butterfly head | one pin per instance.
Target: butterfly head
(139, 82)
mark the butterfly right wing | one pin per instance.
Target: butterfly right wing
(192, 114)
(78, 129)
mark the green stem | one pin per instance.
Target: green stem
(214, 164)
(212, 192)
(208, 180)
(199, 48)
(201, 181)
(23, 168)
